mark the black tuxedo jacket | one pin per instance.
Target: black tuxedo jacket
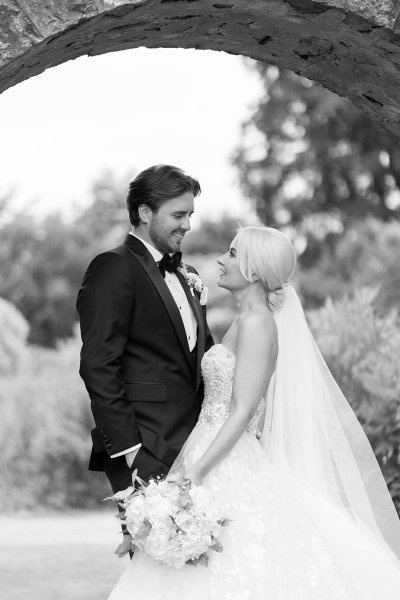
(144, 384)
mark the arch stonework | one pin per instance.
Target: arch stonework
(351, 47)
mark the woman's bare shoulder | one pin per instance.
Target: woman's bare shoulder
(259, 317)
(257, 329)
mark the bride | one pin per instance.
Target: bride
(312, 518)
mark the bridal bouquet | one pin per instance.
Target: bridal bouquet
(170, 521)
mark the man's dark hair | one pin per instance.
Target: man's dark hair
(157, 185)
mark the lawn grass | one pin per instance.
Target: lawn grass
(56, 573)
(55, 566)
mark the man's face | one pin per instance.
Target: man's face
(168, 226)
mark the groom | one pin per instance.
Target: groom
(144, 332)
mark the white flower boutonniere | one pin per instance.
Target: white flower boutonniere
(194, 282)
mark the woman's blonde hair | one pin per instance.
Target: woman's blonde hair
(267, 255)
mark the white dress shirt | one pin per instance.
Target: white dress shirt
(188, 318)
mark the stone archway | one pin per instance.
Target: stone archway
(351, 47)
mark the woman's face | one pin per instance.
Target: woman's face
(230, 277)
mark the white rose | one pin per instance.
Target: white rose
(206, 504)
(157, 541)
(135, 514)
(183, 519)
(152, 489)
(172, 492)
(158, 508)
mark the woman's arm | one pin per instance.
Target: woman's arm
(256, 353)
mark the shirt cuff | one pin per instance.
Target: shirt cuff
(123, 452)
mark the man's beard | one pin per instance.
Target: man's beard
(159, 237)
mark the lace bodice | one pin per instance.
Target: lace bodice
(218, 367)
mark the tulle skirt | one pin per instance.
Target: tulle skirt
(284, 543)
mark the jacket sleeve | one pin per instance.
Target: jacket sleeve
(105, 304)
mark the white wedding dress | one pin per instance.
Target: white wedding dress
(285, 542)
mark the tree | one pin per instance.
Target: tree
(366, 255)
(14, 332)
(105, 221)
(42, 262)
(313, 162)
(212, 236)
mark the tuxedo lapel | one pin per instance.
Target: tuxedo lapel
(198, 313)
(139, 251)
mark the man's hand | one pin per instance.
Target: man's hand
(130, 457)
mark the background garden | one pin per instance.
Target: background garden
(312, 165)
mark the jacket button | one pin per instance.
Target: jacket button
(108, 445)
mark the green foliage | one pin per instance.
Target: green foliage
(42, 262)
(362, 349)
(312, 161)
(365, 255)
(14, 331)
(47, 409)
(212, 236)
(325, 174)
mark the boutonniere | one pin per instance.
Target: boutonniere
(194, 282)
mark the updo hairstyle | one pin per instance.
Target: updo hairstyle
(266, 255)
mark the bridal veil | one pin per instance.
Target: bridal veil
(310, 429)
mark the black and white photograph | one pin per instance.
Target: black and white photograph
(200, 300)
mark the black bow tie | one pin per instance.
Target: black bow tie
(170, 263)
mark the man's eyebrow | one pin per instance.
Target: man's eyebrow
(182, 212)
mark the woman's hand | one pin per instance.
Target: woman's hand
(194, 475)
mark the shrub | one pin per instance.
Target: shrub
(362, 349)
(14, 332)
(47, 409)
